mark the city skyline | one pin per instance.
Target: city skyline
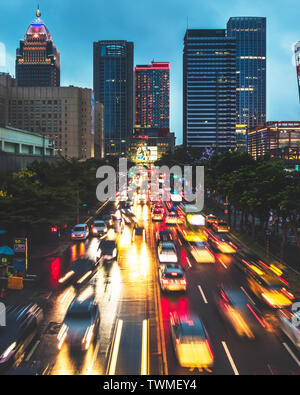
(282, 92)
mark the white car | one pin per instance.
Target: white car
(289, 322)
(99, 228)
(80, 232)
(172, 278)
(167, 252)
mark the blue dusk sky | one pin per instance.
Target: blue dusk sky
(157, 28)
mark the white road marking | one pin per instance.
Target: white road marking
(188, 262)
(291, 354)
(115, 352)
(144, 358)
(251, 300)
(230, 359)
(202, 293)
(32, 350)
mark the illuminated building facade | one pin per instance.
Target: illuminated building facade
(277, 139)
(297, 58)
(209, 89)
(37, 61)
(250, 34)
(152, 95)
(113, 87)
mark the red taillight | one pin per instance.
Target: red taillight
(209, 348)
(256, 316)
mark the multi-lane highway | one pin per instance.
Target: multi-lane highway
(134, 335)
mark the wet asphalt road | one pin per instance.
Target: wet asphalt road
(134, 335)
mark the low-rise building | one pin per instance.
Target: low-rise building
(278, 139)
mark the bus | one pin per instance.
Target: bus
(194, 222)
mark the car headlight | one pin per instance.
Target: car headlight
(8, 350)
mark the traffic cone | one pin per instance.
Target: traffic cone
(2, 295)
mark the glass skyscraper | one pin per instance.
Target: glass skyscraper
(113, 87)
(209, 89)
(250, 34)
(297, 59)
(152, 93)
(37, 60)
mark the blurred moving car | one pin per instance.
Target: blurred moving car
(190, 341)
(117, 223)
(172, 219)
(167, 252)
(79, 271)
(221, 243)
(210, 219)
(220, 226)
(163, 235)
(200, 252)
(99, 228)
(269, 289)
(138, 230)
(80, 232)
(21, 326)
(289, 323)
(80, 325)
(157, 214)
(172, 278)
(234, 306)
(107, 250)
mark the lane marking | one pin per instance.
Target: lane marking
(291, 354)
(222, 263)
(145, 353)
(115, 350)
(230, 359)
(202, 293)
(251, 300)
(32, 350)
(188, 261)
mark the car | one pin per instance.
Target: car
(138, 231)
(99, 228)
(200, 252)
(190, 341)
(167, 252)
(172, 219)
(163, 235)
(80, 232)
(289, 323)
(269, 289)
(220, 226)
(172, 278)
(221, 243)
(107, 250)
(142, 200)
(210, 219)
(157, 214)
(117, 223)
(79, 272)
(237, 310)
(22, 324)
(80, 325)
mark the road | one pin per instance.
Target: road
(134, 333)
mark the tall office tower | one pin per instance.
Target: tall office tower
(63, 114)
(209, 89)
(297, 57)
(113, 87)
(250, 34)
(152, 95)
(37, 61)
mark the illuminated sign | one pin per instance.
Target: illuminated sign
(146, 154)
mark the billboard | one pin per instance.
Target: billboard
(146, 153)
